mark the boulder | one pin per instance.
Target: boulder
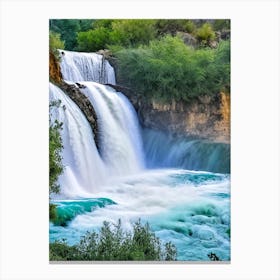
(188, 39)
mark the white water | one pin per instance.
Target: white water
(180, 207)
(119, 137)
(121, 152)
(80, 156)
(78, 66)
(190, 209)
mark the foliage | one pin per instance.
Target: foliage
(132, 32)
(68, 29)
(116, 32)
(170, 251)
(55, 43)
(168, 69)
(112, 243)
(92, 35)
(205, 33)
(93, 40)
(221, 24)
(171, 26)
(222, 66)
(52, 212)
(55, 149)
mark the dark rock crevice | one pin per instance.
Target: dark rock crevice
(75, 94)
(84, 104)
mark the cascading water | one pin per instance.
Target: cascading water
(80, 156)
(121, 145)
(164, 150)
(76, 66)
(120, 180)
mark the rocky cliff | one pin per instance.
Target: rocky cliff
(54, 69)
(206, 118)
(74, 93)
(84, 104)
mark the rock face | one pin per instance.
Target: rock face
(74, 93)
(206, 118)
(188, 39)
(84, 104)
(54, 69)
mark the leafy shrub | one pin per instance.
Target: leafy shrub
(222, 66)
(171, 26)
(205, 33)
(128, 32)
(55, 43)
(68, 29)
(52, 212)
(93, 40)
(168, 69)
(132, 32)
(112, 243)
(55, 149)
(221, 24)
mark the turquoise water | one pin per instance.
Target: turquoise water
(189, 208)
(67, 210)
(164, 150)
(119, 180)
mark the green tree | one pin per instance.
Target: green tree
(69, 28)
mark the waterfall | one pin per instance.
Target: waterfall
(135, 173)
(119, 132)
(79, 66)
(121, 151)
(165, 151)
(81, 159)
(120, 145)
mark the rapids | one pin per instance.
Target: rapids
(180, 186)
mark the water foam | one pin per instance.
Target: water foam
(80, 66)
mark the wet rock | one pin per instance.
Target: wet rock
(73, 91)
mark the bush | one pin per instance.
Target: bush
(221, 24)
(168, 69)
(55, 43)
(205, 33)
(93, 40)
(55, 149)
(133, 32)
(52, 212)
(128, 32)
(112, 243)
(172, 26)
